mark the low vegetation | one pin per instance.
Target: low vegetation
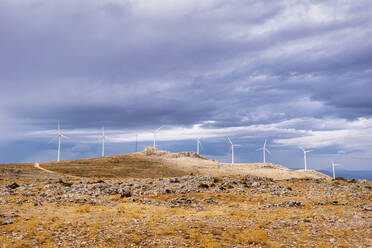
(118, 166)
(38, 209)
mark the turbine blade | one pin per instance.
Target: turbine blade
(301, 148)
(268, 151)
(157, 130)
(259, 149)
(229, 140)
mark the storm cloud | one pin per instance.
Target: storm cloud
(296, 72)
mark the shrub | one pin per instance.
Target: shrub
(252, 237)
(83, 209)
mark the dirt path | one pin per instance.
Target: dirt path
(37, 165)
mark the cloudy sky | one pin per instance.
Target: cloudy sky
(293, 72)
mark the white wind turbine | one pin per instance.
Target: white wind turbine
(198, 145)
(264, 150)
(155, 132)
(305, 152)
(59, 137)
(333, 169)
(232, 150)
(103, 141)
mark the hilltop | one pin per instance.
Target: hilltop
(153, 163)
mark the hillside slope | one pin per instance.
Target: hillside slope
(153, 163)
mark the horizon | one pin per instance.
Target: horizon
(295, 73)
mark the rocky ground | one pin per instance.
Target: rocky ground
(38, 209)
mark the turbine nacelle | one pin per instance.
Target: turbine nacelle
(305, 151)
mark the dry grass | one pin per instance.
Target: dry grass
(118, 166)
(237, 220)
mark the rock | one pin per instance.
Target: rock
(174, 180)
(13, 186)
(37, 203)
(203, 185)
(255, 185)
(292, 204)
(7, 222)
(367, 208)
(210, 200)
(125, 194)
(66, 184)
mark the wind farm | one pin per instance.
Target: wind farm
(193, 164)
(232, 149)
(199, 124)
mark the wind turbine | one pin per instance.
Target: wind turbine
(198, 145)
(333, 169)
(103, 141)
(232, 150)
(155, 132)
(305, 152)
(59, 137)
(264, 150)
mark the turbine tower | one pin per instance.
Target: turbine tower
(232, 150)
(103, 141)
(198, 145)
(305, 152)
(264, 150)
(333, 169)
(155, 132)
(59, 137)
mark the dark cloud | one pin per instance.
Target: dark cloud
(138, 65)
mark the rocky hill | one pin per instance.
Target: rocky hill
(153, 163)
(160, 199)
